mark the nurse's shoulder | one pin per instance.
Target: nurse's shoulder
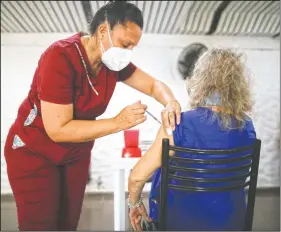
(62, 48)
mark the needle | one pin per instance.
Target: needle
(153, 116)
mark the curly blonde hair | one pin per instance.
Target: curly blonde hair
(222, 71)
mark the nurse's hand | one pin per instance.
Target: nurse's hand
(131, 116)
(171, 115)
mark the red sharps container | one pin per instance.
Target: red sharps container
(131, 149)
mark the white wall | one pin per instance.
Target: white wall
(158, 56)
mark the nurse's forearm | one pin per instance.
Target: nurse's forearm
(162, 93)
(77, 131)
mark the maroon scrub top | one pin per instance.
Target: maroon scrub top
(60, 78)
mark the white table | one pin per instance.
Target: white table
(121, 165)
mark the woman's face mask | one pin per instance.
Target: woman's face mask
(115, 58)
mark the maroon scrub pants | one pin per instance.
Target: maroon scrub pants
(48, 197)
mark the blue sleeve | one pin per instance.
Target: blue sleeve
(184, 135)
(251, 130)
(177, 133)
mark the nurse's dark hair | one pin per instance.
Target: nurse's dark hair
(117, 12)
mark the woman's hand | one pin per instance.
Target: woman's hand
(131, 116)
(171, 115)
(136, 214)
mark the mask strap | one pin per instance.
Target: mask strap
(110, 41)
(102, 48)
(214, 99)
(111, 44)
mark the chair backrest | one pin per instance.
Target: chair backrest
(237, 180)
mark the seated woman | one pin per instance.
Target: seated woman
(220, 98)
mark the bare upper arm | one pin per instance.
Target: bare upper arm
(55, 116)
(141, 81)
(152, 159)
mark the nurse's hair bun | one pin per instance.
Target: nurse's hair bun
(117, 12)
(118, 2)
(121, 3)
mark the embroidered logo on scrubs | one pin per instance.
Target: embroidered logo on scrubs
(17, 142)
(30, 118)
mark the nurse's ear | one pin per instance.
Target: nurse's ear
(102, 31)
(102, 36)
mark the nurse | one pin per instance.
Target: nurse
(49, 145)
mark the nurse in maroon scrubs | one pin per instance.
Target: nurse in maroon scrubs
(49, 145)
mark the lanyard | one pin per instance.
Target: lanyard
(86, 70)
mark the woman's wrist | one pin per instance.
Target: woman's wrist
(134, 203)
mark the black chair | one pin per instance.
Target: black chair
(235, 181)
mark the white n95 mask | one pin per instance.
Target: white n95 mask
(115, 58)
